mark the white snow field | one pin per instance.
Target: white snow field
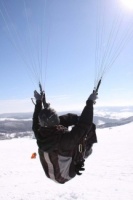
(108, 174)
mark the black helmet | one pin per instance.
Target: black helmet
(48, 117)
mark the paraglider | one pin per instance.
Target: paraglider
(63, 152)
(52, 130)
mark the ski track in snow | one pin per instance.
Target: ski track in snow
(108, 174)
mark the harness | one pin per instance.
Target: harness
(79, 158)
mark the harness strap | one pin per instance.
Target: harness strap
(79, 158)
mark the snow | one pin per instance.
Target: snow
(108, 174)
(13, 119)
(100, 122)
(114, 112)
(114, 115)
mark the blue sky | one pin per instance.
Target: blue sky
(58, 37)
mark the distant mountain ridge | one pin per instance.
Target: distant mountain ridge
(112, 122)
(16, 115)
(14, 125)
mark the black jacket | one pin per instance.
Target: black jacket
(57, 144)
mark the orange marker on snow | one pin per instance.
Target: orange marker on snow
(33, 155)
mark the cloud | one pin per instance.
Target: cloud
(16, 105)
(115, 102)
(60, 97)
(59, 103)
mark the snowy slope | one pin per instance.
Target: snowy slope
(108, 174)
